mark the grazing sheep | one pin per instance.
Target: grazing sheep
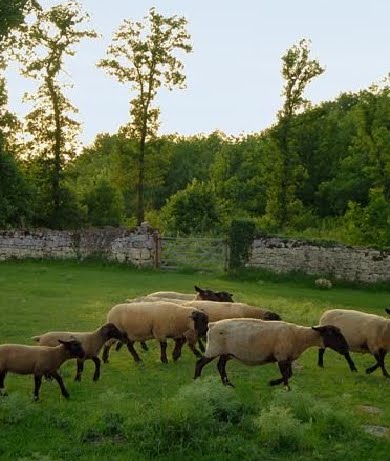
(39, 361)
(92, 342)
(161, 321)
(365, 333)
(257, 342)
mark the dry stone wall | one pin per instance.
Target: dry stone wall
(137, 246)
(337, 261)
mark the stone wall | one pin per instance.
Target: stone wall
(336, 261)
(137, 246)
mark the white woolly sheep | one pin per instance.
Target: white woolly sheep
(161, 321)
(92, 342)
(39, 361)
(365, 333)
(257, 342)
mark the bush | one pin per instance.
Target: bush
(191, 211)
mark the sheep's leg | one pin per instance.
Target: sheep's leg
(38, 382)
(163, 351)
(195, 350)
(144, 346)
(350, 362)
(119, 346)
(2, 378)
(80, 368)
(286, 370)
(201, 345)
(133, 352)
(380, 362)
(97, 363)
(106, 353)
(222, 370)
(321, 352)
(176, 354)
(200, 364)
(60, 382)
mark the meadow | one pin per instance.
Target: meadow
(153, 411)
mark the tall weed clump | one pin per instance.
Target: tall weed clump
(191, 421)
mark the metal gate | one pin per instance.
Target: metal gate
(208, 254)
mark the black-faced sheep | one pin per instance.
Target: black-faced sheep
(365, 333)
(92, 342)
(160, 321)
(202, 294)
(38, 361)
(257, 342)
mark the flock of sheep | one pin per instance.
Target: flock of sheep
(253, 335)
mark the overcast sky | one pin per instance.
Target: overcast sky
(233, 75)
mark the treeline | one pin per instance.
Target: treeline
(320, 171)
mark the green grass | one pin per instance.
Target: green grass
(154, 411)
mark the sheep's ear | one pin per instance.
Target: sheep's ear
(199, 290)
(387, 311)
(62, 342)
(318, 328)
(194, 315)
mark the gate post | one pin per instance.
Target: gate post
(157, 249)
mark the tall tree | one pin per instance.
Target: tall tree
(52, 128)
(143, 54)
(284, 169)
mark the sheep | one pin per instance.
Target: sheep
(203, 294)
(162, 320)
(365, 333)
(39, 361)
(179, 298)
(92, 342)
(257, 342)
(225, 310)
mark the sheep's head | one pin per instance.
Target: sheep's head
(74, 348)
(333, 338)
(272, 316)
(201, 321)
(210, 295)
(109, 331)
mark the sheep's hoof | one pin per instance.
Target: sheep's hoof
(96, 378)
(78, 379)
(36, 398)
(354, 370)
(4, 394)
(67, 396)
(287, 388)
(228, 383)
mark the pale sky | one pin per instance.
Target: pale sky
(233, 75)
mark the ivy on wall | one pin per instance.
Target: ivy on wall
(242, 233)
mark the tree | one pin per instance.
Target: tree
(53, 131)
(285, 171)
(12, 14)
(143, 55)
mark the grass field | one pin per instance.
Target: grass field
(154, 411)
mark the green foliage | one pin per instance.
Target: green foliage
(15, 194)
(192, 211)
(104, 205)
(241, 236)
(370, 225)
